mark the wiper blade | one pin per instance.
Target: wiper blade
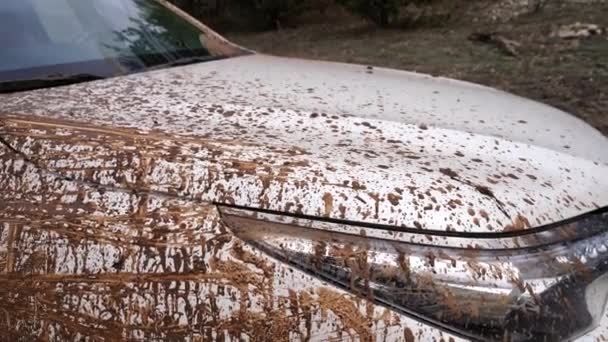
(60, 80)
(45, 82)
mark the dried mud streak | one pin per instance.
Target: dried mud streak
(47, 296)
(109, 286)
(344, 308)
(39, 163)
(106, 138)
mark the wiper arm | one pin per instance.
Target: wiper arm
(46, 82)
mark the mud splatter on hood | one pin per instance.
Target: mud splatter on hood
(320, 139)
(337, 89)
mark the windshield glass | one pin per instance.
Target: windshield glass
(101, 38)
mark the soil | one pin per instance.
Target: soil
(569, 74)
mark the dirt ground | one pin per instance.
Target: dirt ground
(568, 74)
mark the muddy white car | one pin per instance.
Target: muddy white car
(160, 183)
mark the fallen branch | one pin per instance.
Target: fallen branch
(506, 46)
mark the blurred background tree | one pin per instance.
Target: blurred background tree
(276, 14)
(381, 12)
(272, 13)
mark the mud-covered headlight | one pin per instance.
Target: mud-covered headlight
(547, 284)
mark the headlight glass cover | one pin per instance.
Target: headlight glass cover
(545, 284)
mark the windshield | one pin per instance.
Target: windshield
(43, 39)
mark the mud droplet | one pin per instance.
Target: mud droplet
(329, 203)
(394, 199)
(408, 335)
(449, 172)
(520, 223)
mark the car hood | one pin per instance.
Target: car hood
(320, 139)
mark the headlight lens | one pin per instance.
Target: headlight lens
(550, 284)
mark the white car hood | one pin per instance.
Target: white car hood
(393, 95)
(321, 139)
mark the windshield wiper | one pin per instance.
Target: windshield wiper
(45, 82)
(60, 80)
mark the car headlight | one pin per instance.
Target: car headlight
(545, 284)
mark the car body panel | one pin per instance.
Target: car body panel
(124, 260)
(321, 163)
(80, 261)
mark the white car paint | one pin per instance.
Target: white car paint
(115, 185)
(465, 164)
